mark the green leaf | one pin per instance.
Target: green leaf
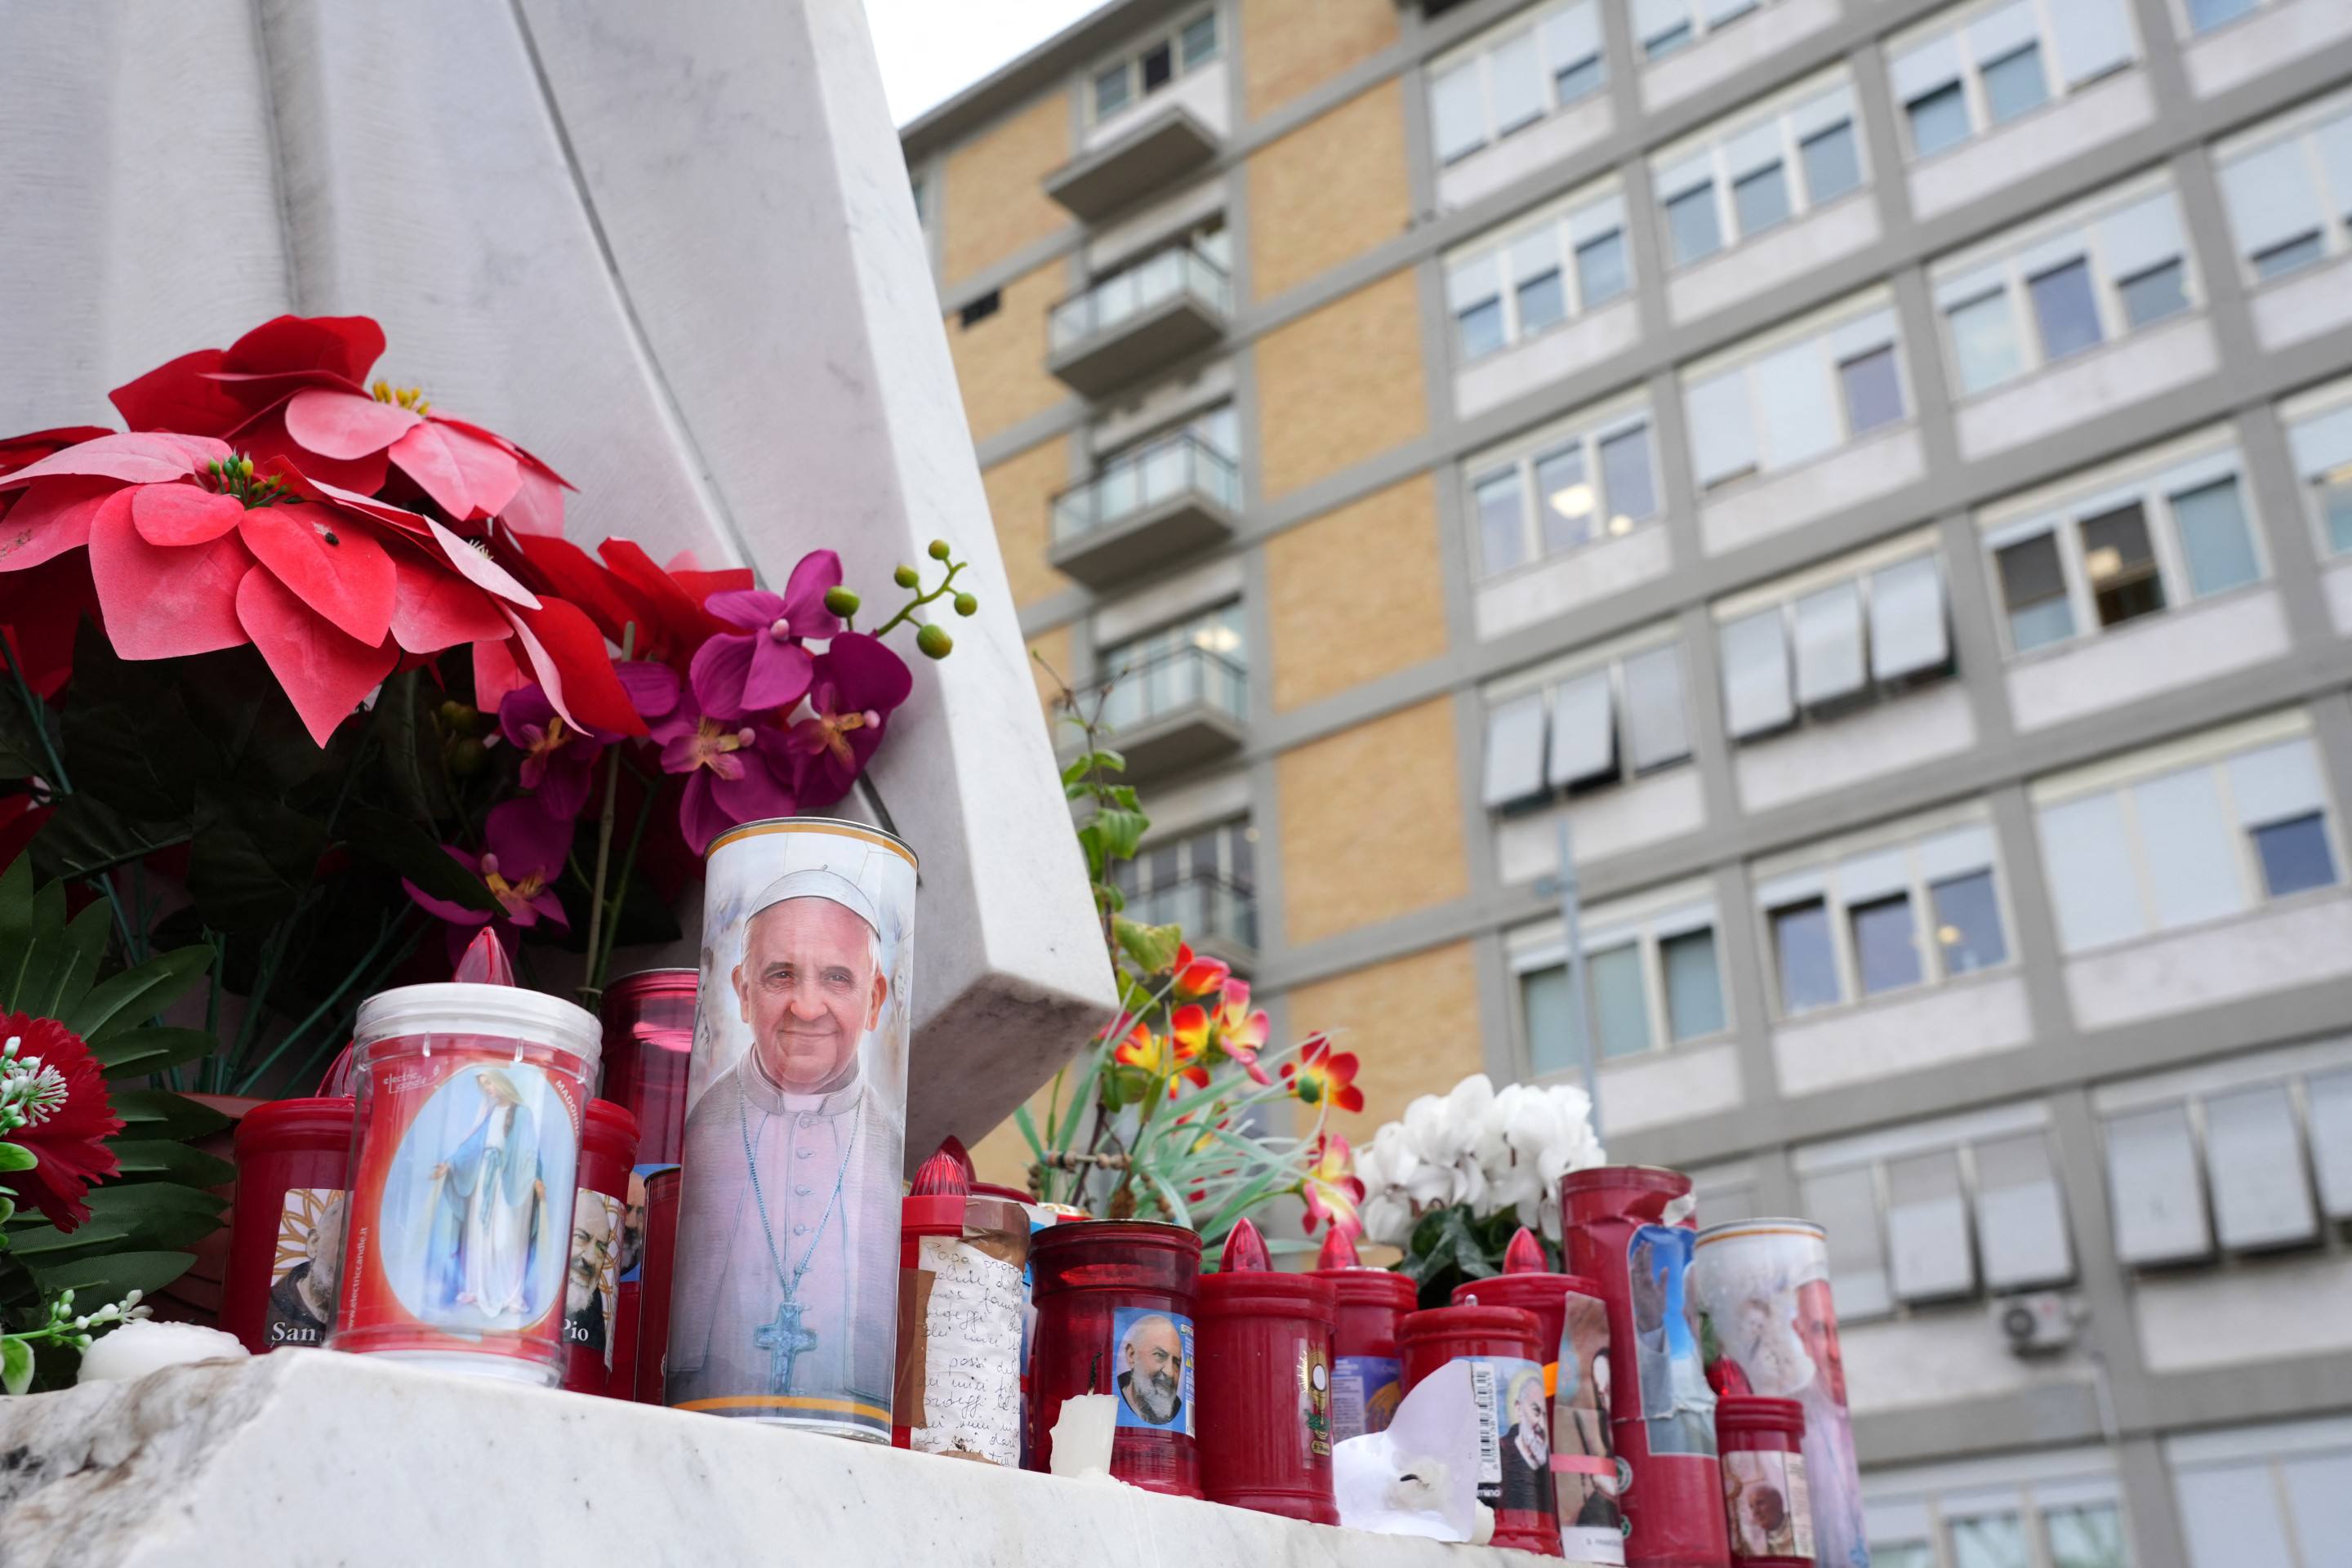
(86, 838)
(136, 1203)
(47, 975)
(16, 1367)
(1153, 948)
(161, 1157)
(397, 844)
(16, 901)
(43, 1246)
(160, 1113)
(102, 1279)
(131, 998)
(1121, 831)
(410, 750)
(134, 1053)
(16, 1157)
(8, 1209)
(1109, 760)
(131, 740)
(251, 861)
(22, 755)
(256, 743)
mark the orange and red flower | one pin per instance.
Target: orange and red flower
(1331, 1189)
(1174, 1055)
(1197, 976)
(1321, 1076)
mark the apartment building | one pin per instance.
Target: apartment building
(1873, 478)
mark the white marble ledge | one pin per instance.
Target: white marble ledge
(312, 1458)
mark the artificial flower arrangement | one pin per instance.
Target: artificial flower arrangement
(1163, 1114)
(305, 689)
(1452, 1180)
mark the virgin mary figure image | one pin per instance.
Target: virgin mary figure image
(485, 1205)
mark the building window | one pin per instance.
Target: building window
(2204, 15)
(1939, 1211)
(1574, 487)
(1514, 76)
(2124, 549)
(2252, 1155)
(2241, 821)
(1564, 263)
(2319, 434)
(1200, 661)
(1205, 881)
(1603, 721)
(1868, 630)
(2265, 1496)
(1919, 908)
(2052, 289)
(1152, 65)
(1662, 27)
(1979, 66)
(1651, 969)
(1798, 396)
(1724, 188)
(2049, 1511)
(2288, 188)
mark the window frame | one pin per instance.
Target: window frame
(1952, 27)
(2153, 484)
(1548, 685)
(1129, 60)
(2300, 126)
(1671, 170)
(1478, 54)
(1826, 334)
(1805, 876)
(1696, 29)
(1647, 921)
(1493, 254)
(1780, 599)
(2300, 416)
(1587, 431)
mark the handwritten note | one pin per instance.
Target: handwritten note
(972, 1374)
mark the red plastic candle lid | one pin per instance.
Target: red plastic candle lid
(1747, 1413)
(611, 1131)
(1435, 1323)
(1639, 1178)
(277, 1125)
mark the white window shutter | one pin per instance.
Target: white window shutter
(2330, 1099)
(2276, 783)
(2021, 1215)
(1722, 427)
(1908, 631)
(1829, 644)
(2189, 847)
(2271, 197)
(2253, 1157)
(1756, 674)
(1583, 730)
(1656, 730)
(2087, 856)
(2154, 1185)
(1515, 751)
(2323, 443)
(2095, 36)
(2143, 235)
(1927, 1229)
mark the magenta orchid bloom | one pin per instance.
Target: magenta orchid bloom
(523, 852)
(857, 683)
(765, 667)
(737, 770)
(559, 761)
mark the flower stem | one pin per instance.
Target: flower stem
(37, 711)
(906, 613)
(592, 985)
(391, 927)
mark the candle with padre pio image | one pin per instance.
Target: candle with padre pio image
(784, 1293)
(648, 1041)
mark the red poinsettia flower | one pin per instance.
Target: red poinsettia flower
(857, 685)
(72, 1118)
(1331, 1188)
(1321, 1076)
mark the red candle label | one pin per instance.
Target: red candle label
(459, 1206)
(306, 1267)
(1514, 1435)
(1314, 1397)
(591, 1283)
(1365, 1392)
(1154, 1353)
(1767, 1505)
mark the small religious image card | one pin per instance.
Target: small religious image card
(1154, 1352)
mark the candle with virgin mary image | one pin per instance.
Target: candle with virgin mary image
(783, 1292)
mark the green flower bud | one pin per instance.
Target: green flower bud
(452, 713)
(940, 551)
(966, 605)
(841, 601)
(935, 642)
(467, 757)
(906, 576)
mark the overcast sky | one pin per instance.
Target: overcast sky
(932, 50)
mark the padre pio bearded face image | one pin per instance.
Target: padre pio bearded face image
(1152, 1371)
(810, 987)
(591, 1246)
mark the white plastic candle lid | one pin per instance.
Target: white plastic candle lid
(506, 1012)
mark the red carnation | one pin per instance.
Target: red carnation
(72, 1119)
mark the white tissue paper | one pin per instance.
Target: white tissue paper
(1421, 1476)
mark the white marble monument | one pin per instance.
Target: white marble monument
(670, 248)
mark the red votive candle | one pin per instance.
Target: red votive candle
(1115, 1305)
(1366, 1376)
(1507, 1377)
(1264, 1380)
(608, 1148)
(648, 1022)
(1767, 1508)
(1663, 1428)
(286, 1227)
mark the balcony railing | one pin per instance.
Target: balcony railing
(1206, 905)
(1173, 683)
(1180, 466)
(1177, 271)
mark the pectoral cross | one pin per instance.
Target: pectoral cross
(784, 1339)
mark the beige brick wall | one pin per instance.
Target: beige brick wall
(1000, 359)
(1020, 495)
(1340, 385)
(992, 199)
(1356, 594)
(1288, 45)
(1412, 1024)
(1371, 823)
(1331, 189)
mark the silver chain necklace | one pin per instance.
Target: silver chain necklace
(752, 1165)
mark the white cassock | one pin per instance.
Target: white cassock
(725, 1334)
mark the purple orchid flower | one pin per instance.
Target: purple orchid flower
(765, 667)
(737, 770)
(855, 685)
(523, 852)
(559, 761)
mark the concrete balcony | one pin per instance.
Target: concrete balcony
(1172, 498)
(1175, 712)
(1219, 917)
(1139, 161)
(1134, 322)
